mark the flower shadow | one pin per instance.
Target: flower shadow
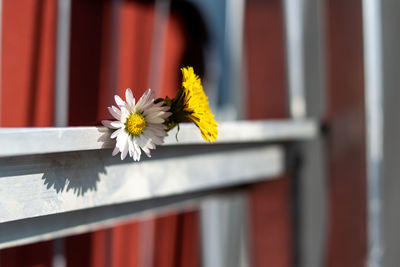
(104, 138)
(78, 172)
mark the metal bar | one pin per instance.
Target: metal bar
(61, 93)
(59, 259)
(373, 71)
(32, 230)
(26, 141)
(294, 32)
(161, 15)
(46, 184)
(223, 230)
(62, 63)
(147, 230)
(234, 45)
(311, 187)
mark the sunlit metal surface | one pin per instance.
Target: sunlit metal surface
(25, 141)
(62, 63)
(372, 29)
(294, 31)
(43, 228)
(39, 185)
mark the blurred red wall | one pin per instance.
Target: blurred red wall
(97, 72)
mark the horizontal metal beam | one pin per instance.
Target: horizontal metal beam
(40, 185)
(43, 228)
(27, 141)
(45, 195)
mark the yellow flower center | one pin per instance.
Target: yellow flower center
(135, 124)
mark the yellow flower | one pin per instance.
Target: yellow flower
(196, 105)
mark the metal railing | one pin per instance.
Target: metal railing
(50, 174)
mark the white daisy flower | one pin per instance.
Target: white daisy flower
(139, 126)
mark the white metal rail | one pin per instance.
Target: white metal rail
(25, 141)
(373, 72)
(66, 179)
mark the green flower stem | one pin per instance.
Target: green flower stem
(177, 108)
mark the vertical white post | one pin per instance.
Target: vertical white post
(161, 15)
(234, 21)
(295, 77)
(59, 253)
(147, 229)
(224, 231)
(61, 95)
(295, 67)
(62, 63)
(373, 70)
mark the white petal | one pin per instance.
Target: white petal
(136, 150)
(130, 143)
(150, 144)
(160, 114)
(117, 124)
(164, 108)
(125, 149)
(115, 151)
(155, 139)
(154, 114)
(124, 114)
(119, 101)
(157, 131)
(158, 126)
(130, 99)
(144, 101)
(111, 124)
(114, 112)
(155, 120)
(122, 139)
(147, 104)
(151, 110)
(166, 115)
(144, 144)
(116, 133)
(117, 110)
(159, 104)
(147, 142)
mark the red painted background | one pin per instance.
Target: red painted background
(96, 73)
(347, 239)
(104, 62)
